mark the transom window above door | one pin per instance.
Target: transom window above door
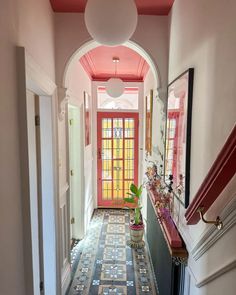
(127, 101)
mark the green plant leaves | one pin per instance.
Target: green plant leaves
(133, 188)
(134, 198)
(129, 200)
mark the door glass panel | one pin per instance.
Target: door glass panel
(127, 101)
(106, 128)
(117, 128)
(107, 190)
(129, 169)
(118, 170)
(117, 148)
(117, 155)
(129, 127)
(107, 169)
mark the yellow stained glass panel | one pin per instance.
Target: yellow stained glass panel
(106, 128)
(117, 148)
(129, 144)
(118, 189)
(129, 127)
(107, 190)
(106, 144)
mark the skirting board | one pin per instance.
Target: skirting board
(211, 277)
(66, 278)
(209, 238)
(216, 274)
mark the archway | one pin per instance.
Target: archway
(67, 95)
(86, 47)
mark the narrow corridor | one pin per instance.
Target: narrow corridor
(105, 264)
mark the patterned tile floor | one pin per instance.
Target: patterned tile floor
(103, 264)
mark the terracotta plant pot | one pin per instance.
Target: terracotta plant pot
(136, 234)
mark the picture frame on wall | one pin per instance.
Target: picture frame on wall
(87, 119)
(148, 127)
(178, 135)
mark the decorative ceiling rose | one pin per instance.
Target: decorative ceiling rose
(111, 22)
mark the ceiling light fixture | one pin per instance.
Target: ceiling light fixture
(111, 22)
(115, 86)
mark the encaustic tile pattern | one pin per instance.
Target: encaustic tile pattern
(105, 264)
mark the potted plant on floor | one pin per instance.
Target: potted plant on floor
(136, 224)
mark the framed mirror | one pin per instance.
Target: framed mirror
(178, 134)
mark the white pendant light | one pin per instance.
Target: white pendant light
(115, 86)
(111, 22)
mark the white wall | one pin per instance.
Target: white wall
(202, 35)
(158, 123)
(29, 24)
(148, 85)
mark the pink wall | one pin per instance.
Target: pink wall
(29, 24)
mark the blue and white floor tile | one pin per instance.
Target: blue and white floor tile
(105, 264)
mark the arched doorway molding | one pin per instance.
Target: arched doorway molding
(65, 95)
(87, 46)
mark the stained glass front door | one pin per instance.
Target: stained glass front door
(117, 156)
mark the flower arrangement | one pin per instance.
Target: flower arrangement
(163, 191)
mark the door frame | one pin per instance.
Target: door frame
(122, 115)
(31, 77)
(141, 168)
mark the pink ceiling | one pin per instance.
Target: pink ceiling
(150, 7)
(100, 67)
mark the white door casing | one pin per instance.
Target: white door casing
(31, 77)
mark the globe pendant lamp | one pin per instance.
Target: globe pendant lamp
(115, 86)
(111, 22)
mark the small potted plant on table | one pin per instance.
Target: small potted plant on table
(136, 224)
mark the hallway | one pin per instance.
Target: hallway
(177, 73)
(106, 264)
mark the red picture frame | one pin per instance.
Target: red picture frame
(87, 119)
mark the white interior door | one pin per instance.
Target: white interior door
(48, 188)
(42, 186)
(76, 172)
(33, 190)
